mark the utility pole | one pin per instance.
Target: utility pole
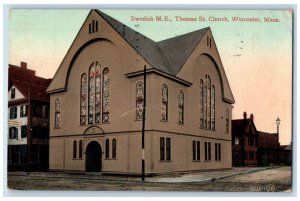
(143, 128)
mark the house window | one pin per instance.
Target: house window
(74, 149)
(114, 148)
(80, 149)
(13, 93)
(23, 131)
(181, 107)
(201, 104)
(217, 151)
(13, 112)
(83, 99)
(227, 120)
(236, 140)
(165, 149)
(57, 121)
(23, 111)
(107, 148)
(207, 147)
(139, 100)
(164, 113)
(13, 133)
(196, 150)
(105, 104)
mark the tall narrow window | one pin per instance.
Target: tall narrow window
(209, 150)
(105, 107)
(198, 150)
(139, 100)
(91, 93)
(201, 104)
(208, 102)
(227, 120)
(219, 151)
(57, 121)
(205, 102)
(74, 149)
(181, 107)
(164, 112)
(194, 150)
(213, 112)
(162, 148)
(97, 93)
(205, 149)
(114, 148)
(168, 149)
(107, 148)
(80, 149)
(12, 93)
(24, 131)
(216, 151)
(83, 99)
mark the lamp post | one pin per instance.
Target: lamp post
(278, 124)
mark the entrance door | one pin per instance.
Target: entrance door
(93, 158)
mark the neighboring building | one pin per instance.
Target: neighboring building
(267, 149)
(97, 97)
(28, 120)
(285, 154)
(244, 141)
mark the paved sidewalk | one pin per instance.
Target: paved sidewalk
(196, 177)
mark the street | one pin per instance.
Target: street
(267, 180)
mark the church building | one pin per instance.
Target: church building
(97, 97)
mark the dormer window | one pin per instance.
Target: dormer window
(12, 93)
(93, 26)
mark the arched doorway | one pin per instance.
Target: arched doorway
(93, 157)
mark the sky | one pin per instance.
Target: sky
(257, 56)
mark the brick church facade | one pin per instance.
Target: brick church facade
(97, 95)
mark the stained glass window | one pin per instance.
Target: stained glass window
(205, 103)
(57, 121)
(213, 113)
(139, 100)
(164, 113)
(208, 102)
(105, 107)
(181, 107)
(97, 93)
(91, 93)
(83, 99)
(201, 104)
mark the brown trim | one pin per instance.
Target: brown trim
(17, 102)
(138, 131)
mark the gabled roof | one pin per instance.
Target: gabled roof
(168, 55)
(241, 126)
(27, 83)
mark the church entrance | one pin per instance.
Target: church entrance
(93, 158)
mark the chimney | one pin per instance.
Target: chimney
(245, 115)
(251, 117)
(23, 65)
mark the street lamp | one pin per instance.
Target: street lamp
(278, 124)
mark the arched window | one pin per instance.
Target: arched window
(208, 102)
(80, 149)
(181, 107)
(201, 104)
(213, 112)
(91, 93)
(83, 99)
(227, 120)
(105, 105)
(57, 121)
(74, 149)
(107, 148)
(114, 148)
(139, 100)
(205, 103)
(98, 93)
(164, 112)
